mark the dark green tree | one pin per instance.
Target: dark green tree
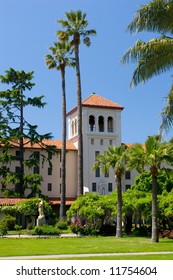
(16, 131)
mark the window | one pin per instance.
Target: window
(3, 186)
(49, 155)
(49, 187)
(92, 141)
(110, 124)
(49, 171)
(127, 175)
(110, 142)
(107, 174)
(127, 187)
(36, 170)
(96, 154)
(97, 172)
(101, 124)
(92, 126)
(60, 172)
(94, 187)
(101, 141)
(75, 126)
(60, 188)
(18, 155)
(37, 155)
(109, 187)
(17, 169)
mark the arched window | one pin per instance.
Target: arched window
(75, 126)
(101, 124)
(92, 126)
(72, 128)
(110, 124)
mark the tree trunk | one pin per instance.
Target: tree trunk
(21, 149)
(63, 150)
(119, 209)
(79, 112)
(155, 236)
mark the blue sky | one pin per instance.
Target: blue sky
(28, 28)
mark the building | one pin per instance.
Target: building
(101, 128)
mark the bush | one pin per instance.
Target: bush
(143, 231)
(62, 225)
(108, 230)
(3, 229)
(8, 222)
(86, 229)
(46, 230)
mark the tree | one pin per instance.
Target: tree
(60, 60)
(154, 155)
(155, 56)
(92, 208)
(16, 131)
(114, 158)
(75, 27)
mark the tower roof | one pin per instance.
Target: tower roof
(96, 101)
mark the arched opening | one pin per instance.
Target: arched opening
(101, 124)
(75, 125)
(110, 124)
(72, 128)
(92, 126)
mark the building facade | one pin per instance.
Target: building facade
(101, 125)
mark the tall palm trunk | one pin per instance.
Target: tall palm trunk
(155, 236)
(119, 208)
(79, 110)
(21, 149)
(63, 151)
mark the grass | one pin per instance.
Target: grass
(87, 245)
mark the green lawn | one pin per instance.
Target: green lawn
(86, 245)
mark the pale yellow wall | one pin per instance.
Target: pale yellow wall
(55, 178)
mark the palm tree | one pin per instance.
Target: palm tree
(75, 28)
(154, 155)
(155, 56)
(59, 60)
(114, 158)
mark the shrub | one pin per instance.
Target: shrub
(76, 228)
(143, 231)
(86, 229)
(3, 229)
(108, 230)
(62, 225)
(8, 221)
(46, 230)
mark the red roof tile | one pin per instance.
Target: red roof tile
(56, 143)
(97, 101)
(52, 201)
(11, 201)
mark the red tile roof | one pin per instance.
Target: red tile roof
(11, 201)
(97, 101)
(56, 143)
(52, 201)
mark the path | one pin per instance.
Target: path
(62, 256)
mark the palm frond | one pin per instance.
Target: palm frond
(156, 16)
(167, 113)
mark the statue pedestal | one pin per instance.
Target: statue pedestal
(40, 221)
